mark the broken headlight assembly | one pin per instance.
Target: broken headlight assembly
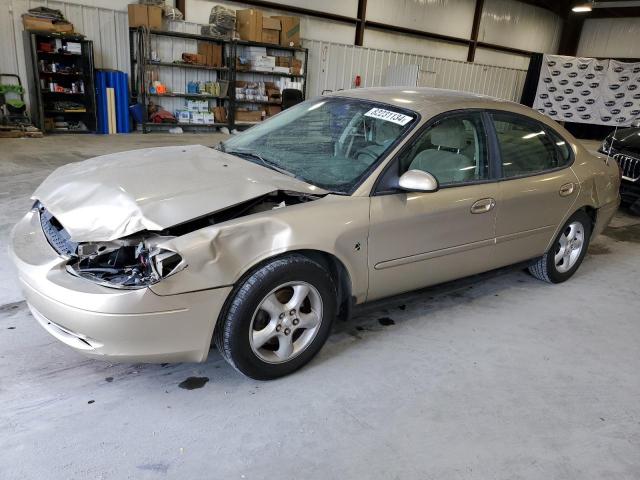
(135, 262)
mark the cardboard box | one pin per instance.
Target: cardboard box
(273, 94)
(271, 23)
(296, 66)
(43, 24)
(155, 17)
(212, 53)
(290, 31)
(208, 118)
(271, 36)
(253, 51)
(145, 16)
(278, 69)
(283, 61)
(183, 116)
(197, 118)
(263, 62)
(248, 115)
(273, 110)
(220, 114)
(216, 55)
(194, 58)
(271, 30)
(249, 24)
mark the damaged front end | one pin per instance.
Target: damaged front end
(133, 262)
(136, 261)
(142, 259)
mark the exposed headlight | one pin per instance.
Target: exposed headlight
(135, 262)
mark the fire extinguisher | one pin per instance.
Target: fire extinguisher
(357, 81)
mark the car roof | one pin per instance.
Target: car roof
(431, 101)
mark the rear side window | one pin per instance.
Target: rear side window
(528, 147)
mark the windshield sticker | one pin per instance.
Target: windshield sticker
(389, 116)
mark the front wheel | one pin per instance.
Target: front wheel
(564, 257)
(278, 318)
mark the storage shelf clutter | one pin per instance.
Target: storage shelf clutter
(213, 80)
(61, 82)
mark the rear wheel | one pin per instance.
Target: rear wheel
(278, 319)
(566, 254)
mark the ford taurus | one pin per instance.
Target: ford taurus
(257, 245)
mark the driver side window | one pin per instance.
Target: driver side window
(453, 150)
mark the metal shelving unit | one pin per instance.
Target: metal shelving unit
(139, 67)
(42, 98)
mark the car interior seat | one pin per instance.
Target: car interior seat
(444, 158)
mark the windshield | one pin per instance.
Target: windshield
(327, 142)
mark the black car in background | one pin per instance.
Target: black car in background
(624, 146)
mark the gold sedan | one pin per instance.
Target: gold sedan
(260, 243)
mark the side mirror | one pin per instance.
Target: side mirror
(418, 181)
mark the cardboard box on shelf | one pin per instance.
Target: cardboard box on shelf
(145, 16)
(212, 52)
(273, 110)
(253, 51)
(278, 69)
(296, 66)
(138, 15)
(242, 67)
(197, 118)
(283, 61)
(194, 58)
(249, 24)
(273, 95)
(290, 31)
(271, 23)
(43, 24)
(271, 30)
(155, 17)
(208, 118)
(183, 116)
(271, 36)
(263, 62)
(248, 115)
(220, 114)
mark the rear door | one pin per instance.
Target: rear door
(537, 188)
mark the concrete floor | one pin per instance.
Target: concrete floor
(497, 376)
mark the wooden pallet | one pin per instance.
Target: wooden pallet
(12, 131)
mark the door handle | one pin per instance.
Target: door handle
(483, 205)
(566, 189)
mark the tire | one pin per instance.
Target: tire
(260, 308)
(547, 268)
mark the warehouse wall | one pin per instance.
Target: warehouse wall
(333, 64)
(336, 65)
(504, 22)
(311, 27)
(610, 37)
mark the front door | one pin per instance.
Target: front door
(418, 239)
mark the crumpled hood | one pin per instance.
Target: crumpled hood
(112, 196)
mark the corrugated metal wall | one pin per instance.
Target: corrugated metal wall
(332, 66)
(610, 37)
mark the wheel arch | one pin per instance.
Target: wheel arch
(335, 267)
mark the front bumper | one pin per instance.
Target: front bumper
(123, 325)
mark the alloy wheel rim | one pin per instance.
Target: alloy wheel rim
(569, 247)
(286, 322)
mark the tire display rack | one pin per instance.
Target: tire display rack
(140, 65)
